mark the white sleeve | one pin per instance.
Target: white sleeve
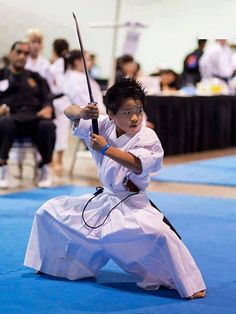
(150, 153)
(84, 127)
(151, 157)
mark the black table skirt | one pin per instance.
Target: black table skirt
(193, 124)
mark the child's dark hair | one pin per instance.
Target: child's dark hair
(123, 89)
(123, 60)
(60, 46)
(70, 58)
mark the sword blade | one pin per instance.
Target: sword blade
(94, 121)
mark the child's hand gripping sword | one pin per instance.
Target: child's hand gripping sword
(94, 121)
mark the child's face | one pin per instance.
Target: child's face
(35, 45)
(129, 117)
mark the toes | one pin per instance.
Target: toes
(198, 295)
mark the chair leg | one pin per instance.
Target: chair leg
(19, 175)
(35, 166)
(74, 158)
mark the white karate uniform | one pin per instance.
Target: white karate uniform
(40, 65)
(217, 61)
(56, 83)
(134, 235)
(76, 88)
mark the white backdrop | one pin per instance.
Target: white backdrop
(174, 26)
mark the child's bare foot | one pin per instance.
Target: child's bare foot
(198, 295)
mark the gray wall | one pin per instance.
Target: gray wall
(173, 28)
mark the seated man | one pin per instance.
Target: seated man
(25, 111)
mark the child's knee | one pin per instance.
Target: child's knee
(41, 212)
(165, 234)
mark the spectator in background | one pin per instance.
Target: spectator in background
(191, 74)
(75, 85)
(126, 67)
(169, 80)
(25, 111)
(57, 80)
(60, 47)
(5, 61)
(218, 61)
(35, 61)
(94, 69)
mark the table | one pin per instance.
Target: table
(193, 124)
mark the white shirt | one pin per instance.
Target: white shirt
(217, 61)
(40, 65)
(75, 87)
(57, 74)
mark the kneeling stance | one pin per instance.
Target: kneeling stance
(74, 237)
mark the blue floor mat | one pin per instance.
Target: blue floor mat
(207, 226)
(216, 171)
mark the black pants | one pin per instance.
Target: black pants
(41, 131)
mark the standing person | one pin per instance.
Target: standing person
(126, 67)
(74, 237)
(35, 61)
(191, 73)
(75, 86)
(218, 61)
(60, 48)
(94, 69)
(25, 112)
(168, 80)
(57, 80)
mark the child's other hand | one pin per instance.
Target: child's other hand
(89, 112)
(97, 141)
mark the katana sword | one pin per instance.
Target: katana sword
(94, 121)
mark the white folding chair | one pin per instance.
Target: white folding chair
(80, 146)
(24, 153)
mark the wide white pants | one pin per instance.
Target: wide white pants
(134, 237)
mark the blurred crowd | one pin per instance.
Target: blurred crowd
(206, 71)
(34, 92)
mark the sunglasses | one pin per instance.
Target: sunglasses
(19, 52)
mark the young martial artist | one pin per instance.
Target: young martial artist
(74, 237)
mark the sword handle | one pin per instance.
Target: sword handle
(94, 121)
(95, 126)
